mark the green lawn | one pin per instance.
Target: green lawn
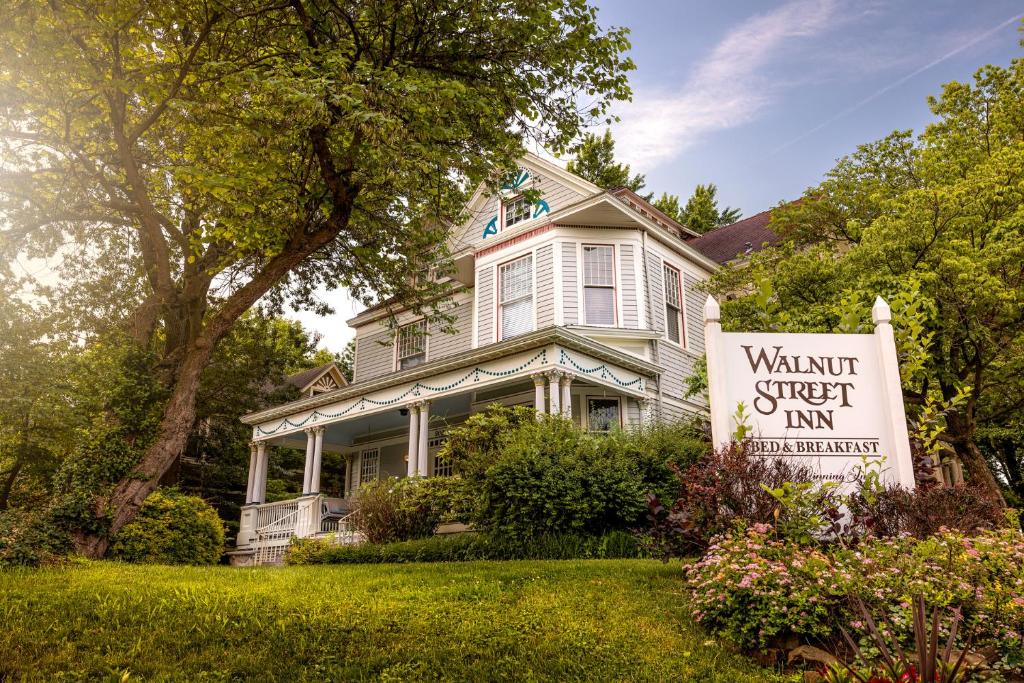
(481, 621)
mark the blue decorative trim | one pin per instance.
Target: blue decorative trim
(540, 207)
(491, 228)
(414, 390)
(603, 371)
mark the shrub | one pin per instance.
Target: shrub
(467, 547)
(759, 590)
(171, 528)
(659, 450)
(30, 539)
(722, 488)
(895, 511)
(402, 509)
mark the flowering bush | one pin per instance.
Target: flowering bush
(760, 591)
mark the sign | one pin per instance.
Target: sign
(824, 399)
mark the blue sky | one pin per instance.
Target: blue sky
(762, 98)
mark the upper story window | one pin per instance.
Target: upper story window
(674, 305)
(599, 284)
(412, 345)
(517, 210)
(515, 302)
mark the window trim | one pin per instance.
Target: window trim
(682, 302)
(614, 287)
(397, 360)
(497, 292)
(512, 200)
(586, 411)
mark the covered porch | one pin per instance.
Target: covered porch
(394, 427)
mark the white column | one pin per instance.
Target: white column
(307, 473)
(348, 475)
(318, 459)
(566, 384)
(554, 404)
(250, 487)
(538, 393)
(259, 493)
(422, 450)
(414, 439)
(900, 459)
(721, 434)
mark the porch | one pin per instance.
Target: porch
(395, 427)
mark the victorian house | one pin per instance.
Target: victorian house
(583, 303)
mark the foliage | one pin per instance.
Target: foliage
(171, 528)
(701, 212)
(30, 539)
(595, 161)
(728, 487)
(895, 511)
(931, 221)
(465, 547)
(760, 590)
(199, 158)
(402, 509)
(483, 621)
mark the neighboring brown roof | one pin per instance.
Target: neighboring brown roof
(737, 240)
(301, 379)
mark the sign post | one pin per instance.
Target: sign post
(827, 400)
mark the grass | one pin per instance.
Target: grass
(605, 620)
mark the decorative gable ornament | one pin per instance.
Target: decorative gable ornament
(511, 189)
(825, 400)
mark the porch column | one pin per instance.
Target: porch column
(554, 404)
(414, 439)
(307, 473)
(538, 393)
(422, 450)
(644, 406)
(348, 475)
(259, 493)
(318, 459)
(566, 384)
(250, 487)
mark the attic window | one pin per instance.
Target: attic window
(517, 210)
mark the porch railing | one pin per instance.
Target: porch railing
(277, 523)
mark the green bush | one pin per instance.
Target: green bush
(526, 477)
(467, 547)
(30, 540)
(171, 528)
(392, 509)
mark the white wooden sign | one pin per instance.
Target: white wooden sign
(824, 399)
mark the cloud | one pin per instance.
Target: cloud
(727, 89)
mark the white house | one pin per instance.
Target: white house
(583, 303)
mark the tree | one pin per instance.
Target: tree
(347, 360)
(936, 221)
(701, 212)
(595, 161)
(204, 155)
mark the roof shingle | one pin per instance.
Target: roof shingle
(737, 240)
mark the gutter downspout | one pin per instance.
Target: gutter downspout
(650, 314)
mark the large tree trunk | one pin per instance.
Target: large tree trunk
(8, 485)
(961, 430)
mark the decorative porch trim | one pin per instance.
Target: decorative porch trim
(603, 370)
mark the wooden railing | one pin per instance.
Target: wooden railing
(277, 523)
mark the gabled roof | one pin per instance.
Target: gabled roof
(737, 240)
(638, 203)
(326, 374)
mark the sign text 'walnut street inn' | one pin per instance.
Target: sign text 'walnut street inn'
(825, 399)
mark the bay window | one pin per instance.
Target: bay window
(515, 297)
(599, 284)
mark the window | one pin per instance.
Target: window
(515, 302)
(599, 285)
(412, 345)
(603, 414)
(369, 465)
(516, 211)
(673, 305)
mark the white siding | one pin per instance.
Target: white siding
(375, 355)
(485, 302)
(441, 344)
(694, 314)
(627, 281)
(570, 284)
(545, 283)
